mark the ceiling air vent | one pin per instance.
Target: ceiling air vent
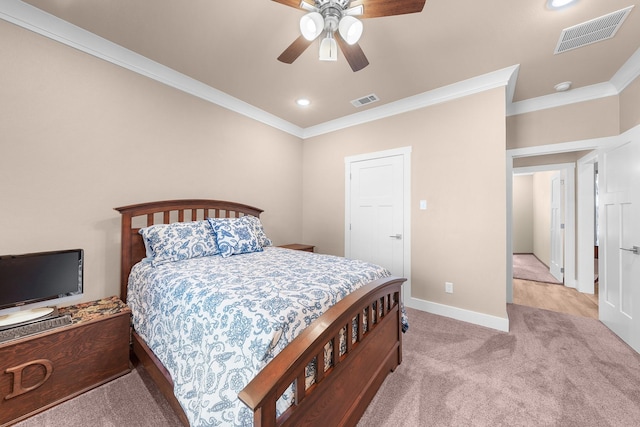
(602, 28)
(365, 100)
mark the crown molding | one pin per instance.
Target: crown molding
(45, 24)
(581, 94)
(627, 73)
(447, 93)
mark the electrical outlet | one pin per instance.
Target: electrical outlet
(448, 287)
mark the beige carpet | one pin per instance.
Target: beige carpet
(129, 401)
(528, 267)
(552, 369)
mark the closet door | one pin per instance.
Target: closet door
(377, 212)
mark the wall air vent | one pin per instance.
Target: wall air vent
(595, 30)
(365, 100)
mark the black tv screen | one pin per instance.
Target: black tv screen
(29, 278)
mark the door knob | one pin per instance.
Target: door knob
(635, 250)
(396, 236)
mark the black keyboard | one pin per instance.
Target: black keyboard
(34, 328)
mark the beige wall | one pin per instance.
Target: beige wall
(522, 220)
(574, 122)
(597, 118)
(458, 166)
(80, 136)
(630, 106)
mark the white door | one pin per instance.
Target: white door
(375, 231)
(619, 225)
(557, 228)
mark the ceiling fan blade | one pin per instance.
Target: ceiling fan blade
(353, 53)
(294, 50)
(379, 8)
(292, 3)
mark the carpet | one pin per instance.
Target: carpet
(528, 267)
(132, 400)
(551, 369)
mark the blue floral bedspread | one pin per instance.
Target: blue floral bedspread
(215, 322)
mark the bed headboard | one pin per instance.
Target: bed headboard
(141, 215)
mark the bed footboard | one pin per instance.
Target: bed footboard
(341, 393)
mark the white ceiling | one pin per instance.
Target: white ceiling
(232, 46)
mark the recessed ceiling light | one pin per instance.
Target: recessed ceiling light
(303, 102)
(559, 4)
(562, 87)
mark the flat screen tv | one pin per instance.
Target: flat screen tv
(47, 277)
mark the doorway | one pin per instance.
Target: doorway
(540, 158)
(541, 197)
(588, 153)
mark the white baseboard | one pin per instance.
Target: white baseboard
(481, 319)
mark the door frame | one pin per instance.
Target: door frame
(559, 224)
(405, 152)
(586, 222)
(583, 235)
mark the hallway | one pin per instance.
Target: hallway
(555, 298)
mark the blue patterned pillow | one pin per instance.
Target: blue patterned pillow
(234, 236)
(178, 241)
(258, 230)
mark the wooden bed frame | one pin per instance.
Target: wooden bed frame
(340, 394)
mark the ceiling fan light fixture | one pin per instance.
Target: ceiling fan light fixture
(350, 29)
(328, 49)
(311, 25)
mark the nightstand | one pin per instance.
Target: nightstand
(298, 247)
(43, 370)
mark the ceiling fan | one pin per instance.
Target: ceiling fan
(336, 18)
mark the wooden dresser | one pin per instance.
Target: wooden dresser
(40, 371)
